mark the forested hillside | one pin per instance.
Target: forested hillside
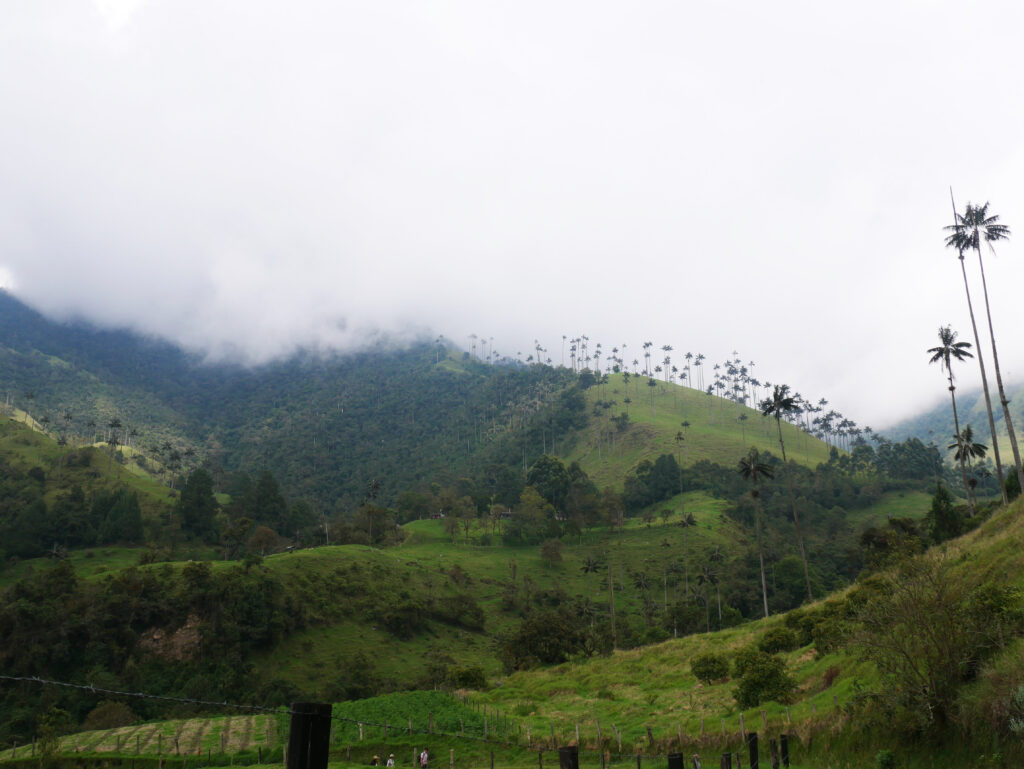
(325, 425)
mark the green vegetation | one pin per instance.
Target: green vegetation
(617, 553)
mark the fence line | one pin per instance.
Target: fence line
(615, 739)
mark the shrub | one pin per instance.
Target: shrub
(764, 679)
(885, 759)
(108, 715)
(778, 639)
(466, 677)
(707, 668)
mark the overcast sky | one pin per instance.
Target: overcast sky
(771, 178)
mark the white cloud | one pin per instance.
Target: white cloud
(249, 177)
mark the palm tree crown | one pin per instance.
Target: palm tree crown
(949, 349)
(973, 225)
(752, 469)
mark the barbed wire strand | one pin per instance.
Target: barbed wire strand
(282, 711)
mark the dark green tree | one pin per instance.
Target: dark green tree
(197, 506)
(551, 479)
(943, 520)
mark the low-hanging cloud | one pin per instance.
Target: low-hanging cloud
(248, 178)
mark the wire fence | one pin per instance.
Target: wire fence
(265, 728)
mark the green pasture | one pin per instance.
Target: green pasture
(718, 430)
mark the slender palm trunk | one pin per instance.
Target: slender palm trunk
(956, 426)
(611, 601)
(760, 554)
(984, 384)
(796, 518)
(1002, 393)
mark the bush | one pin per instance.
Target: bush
(710, 667)
(764, 679)
(885, 759)
(468, 677)
(778, 639)
(108, 715)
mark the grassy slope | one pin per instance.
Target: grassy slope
(26, 448)
(653, 686)
(628, 691)
(715, 433)
(427, 556)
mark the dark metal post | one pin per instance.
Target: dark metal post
(309, 736)
(752, 750)
(569, 757)
(675, 761)
(784, 748)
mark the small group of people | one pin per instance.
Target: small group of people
(424, 760)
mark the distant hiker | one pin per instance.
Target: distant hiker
(391, 760)
(424, 759)
(375, 761)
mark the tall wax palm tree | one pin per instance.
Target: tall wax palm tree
(780, 404)
(962, 238)
(687, 520)
(590, 566)
(967, 449)
(947, 351)
(752, 469)
(966, 446)
(717, 557)
(708, 577)
(968, 232)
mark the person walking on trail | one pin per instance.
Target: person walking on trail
(424, 759)
(391, 760)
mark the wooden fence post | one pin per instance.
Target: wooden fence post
(784, 749)
(451, 758)
(752, 752)
(309, 735)
(410, 727)
(360, 731)
(743, 732)
(773, 750)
